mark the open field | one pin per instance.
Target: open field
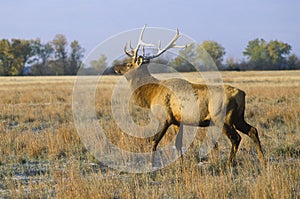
(42, 155)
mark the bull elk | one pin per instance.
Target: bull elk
(170, 101)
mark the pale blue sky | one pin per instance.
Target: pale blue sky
(232, 23)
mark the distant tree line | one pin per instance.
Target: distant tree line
(58, 57)
(263, 55)
(260, 55)
(32, 57)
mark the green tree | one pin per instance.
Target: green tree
(278, 51)
(75, 58)
(60, 65)
(200, 57)
(6, 58)
(263, 55)
(293, 62)
(232, 64)
(43, 53)
(215, 50)
(21, 50)
(257, 53)
(182, 62)
(14, 55)
(97, 66)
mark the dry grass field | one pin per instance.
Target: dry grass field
(41, 155)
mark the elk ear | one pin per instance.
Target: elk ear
(140, 61)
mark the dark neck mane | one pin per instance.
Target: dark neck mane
(140, 76)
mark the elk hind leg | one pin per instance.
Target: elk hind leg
(235, 140)
(252, 132)
(178, 141)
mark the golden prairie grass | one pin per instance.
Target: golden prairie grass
(42, 154)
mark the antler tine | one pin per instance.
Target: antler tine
(141, 42)
(159, 45)
(177, 36)
(126, 52)
(171, 44)
(131, 48)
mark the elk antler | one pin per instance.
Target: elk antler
(134, 52)
(129, 53)
(171, 44)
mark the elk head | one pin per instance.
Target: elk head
(138, 59)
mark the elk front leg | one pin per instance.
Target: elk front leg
(156, 139)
